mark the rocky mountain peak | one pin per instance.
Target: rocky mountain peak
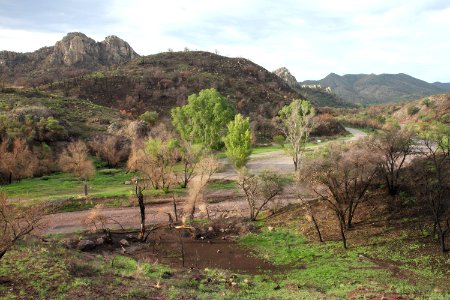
(116, 50)
(284, 74)
(77, 49)
(74, 49)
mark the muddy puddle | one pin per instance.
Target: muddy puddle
(169, 247)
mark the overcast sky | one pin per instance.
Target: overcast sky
(311, 38)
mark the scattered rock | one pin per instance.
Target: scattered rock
(85, 245)
(210, 228)
(124, 243)
(100, 241)
(128, 182)
(70, 243)
(270, 228)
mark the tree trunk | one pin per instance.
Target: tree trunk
(10, 178)
(2, 253)
(252, 214)
(442, 241)
(140, 197)
(342, 229)
(317, 228)
(349, 219)
(85, 188)
(175, 210)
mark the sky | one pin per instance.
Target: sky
(310, 38)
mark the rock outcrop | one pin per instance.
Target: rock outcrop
(284, 74)
(78, 49)
(74, 55)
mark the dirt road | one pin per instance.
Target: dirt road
(129, 217)
(357, 134)
(278, 161)
(234, 204)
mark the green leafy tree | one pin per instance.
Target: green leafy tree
(203, 120)
(238, 141)
(297, 123)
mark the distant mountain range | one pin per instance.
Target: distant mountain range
(383, 88)
(111, 73)
(319, 96)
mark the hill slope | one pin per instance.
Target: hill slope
(162, 81)
(372, 89)
(74, 55)
(318, 96)
(111, 74)
(42, 117)
(443, 85)
(428, 109)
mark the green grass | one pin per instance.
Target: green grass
(308, 270)
(327, 268)
(61, 186)
(266, 149)
(41, 271)
(107, 183)
(222, 185)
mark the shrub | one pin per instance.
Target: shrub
(427, 102)
(279, 140)
(412, 110)
(149, 117)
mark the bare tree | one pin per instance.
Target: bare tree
(17, 160)
(433, 185)
(394, 145)
(259, 189)
(155, 159)
(97, 221)
(190, 156)
(140, 196)
(74, 159)
(433, 193)
(15, 222)
(110, 148)
(311, 216)
(342, 179)
(207, 166)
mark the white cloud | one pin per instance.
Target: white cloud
(26, 41)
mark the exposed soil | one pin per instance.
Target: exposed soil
(193, 249)
(168, 246)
